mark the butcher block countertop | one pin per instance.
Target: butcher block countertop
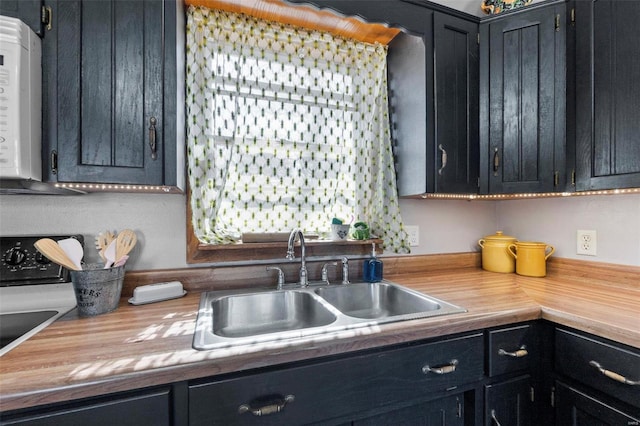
(146, 345)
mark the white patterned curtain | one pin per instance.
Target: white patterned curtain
(286, 128)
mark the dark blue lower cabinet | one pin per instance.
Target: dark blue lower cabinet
(129, 409)
(577, 408)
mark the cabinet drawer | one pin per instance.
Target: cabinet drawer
(511, 349)
(338, 388)
(599, 364)
(142, 408)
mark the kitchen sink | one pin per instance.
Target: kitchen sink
(263, 313)
(230, 319)
(378, 300)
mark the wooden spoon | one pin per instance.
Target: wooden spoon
(54, 253)
(125, 241)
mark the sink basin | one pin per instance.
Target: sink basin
(263, 313)
(279, 317)
(377, 300)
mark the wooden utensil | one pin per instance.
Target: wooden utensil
(73, 249)
(126, 240)
(55, 253)
(103, 239)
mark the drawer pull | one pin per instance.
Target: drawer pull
(275, 406)
(441, 369)
(517, 354)
(614, 376)
(494, 419)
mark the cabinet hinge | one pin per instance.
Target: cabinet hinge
(553, 397)
(558, 22)
(46, 16)
(532, 394)
(54, 162)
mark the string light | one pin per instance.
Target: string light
(108, 187)
(471, 197)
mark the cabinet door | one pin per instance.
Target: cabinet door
(445, 412)
(434, 93)
(106, 64)
(150, 408)
(607, 94)
(509, 403)
(456, 98)
(524, 144)
(576, 408)
(28, 11)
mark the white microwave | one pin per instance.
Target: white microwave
(20, 101)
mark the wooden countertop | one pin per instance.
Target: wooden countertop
(147, 345)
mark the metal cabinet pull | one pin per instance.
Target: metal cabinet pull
(275, 407)
(516, 354)
(441, 369)
(614, 376)
(444, 159)
(496, 162)
(494, 418)
(152, 137)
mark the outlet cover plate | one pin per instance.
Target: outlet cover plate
(414, 235)
(586, 242)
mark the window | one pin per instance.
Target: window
(286, 128)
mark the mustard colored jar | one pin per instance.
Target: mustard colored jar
(531, 257)
(495, 255)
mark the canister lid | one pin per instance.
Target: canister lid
(498, 236)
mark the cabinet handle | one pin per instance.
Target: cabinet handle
(614, 376)
(496, 162)
(152, 137)
(494, 419)
(274, 407)
(441, 369)
(444, 159)
(517, 354)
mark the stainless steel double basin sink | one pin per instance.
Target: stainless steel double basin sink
(316, 312)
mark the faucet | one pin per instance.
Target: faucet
(345, 270)
(304, 282)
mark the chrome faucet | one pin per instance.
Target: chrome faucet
(304, 282)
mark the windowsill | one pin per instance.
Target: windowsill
(198, 252)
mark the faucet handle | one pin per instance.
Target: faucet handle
(325, 272)
(345, 270)
(280, 275)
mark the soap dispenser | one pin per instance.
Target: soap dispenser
(372, 269)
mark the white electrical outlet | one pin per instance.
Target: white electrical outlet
(414, 235)
(586, 242)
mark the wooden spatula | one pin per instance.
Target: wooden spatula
(54, 253)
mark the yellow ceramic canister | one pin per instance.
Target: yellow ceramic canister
(495, 256)
(531, 257)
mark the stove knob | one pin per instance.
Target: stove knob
(42, 259)
(15, 256)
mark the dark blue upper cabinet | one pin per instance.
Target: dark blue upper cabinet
(522, 108)
(110, 92)
(607, 94)
(28, 11)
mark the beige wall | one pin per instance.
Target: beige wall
(445, 226)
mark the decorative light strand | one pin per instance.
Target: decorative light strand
(108, 187)
(481, 197)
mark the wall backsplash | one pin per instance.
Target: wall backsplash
(446, 226)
